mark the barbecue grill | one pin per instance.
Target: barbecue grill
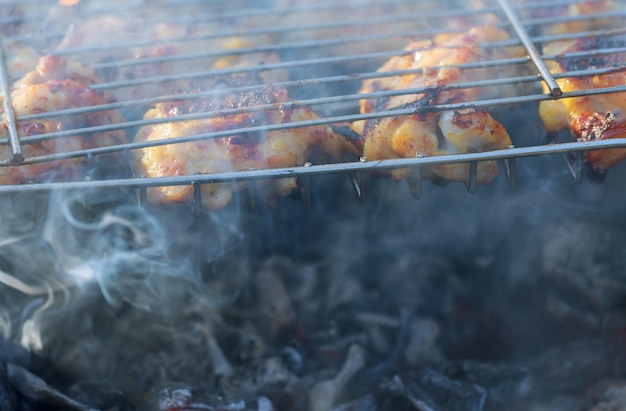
(512, 17)
(304, 295)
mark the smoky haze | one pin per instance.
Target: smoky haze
(103, 288)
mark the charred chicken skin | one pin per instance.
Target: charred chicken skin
(431, 133)
(241, 151)
(54, 85)
(589, 118)
(596, 117)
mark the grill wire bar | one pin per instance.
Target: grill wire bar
(555, 90)
(357, 171)
(318, 170)
(292, 125)
(9, 112)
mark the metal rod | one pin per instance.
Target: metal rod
(555, 89)
(307, 187)
(415, 183)
(142, 197)
(252, 195)
(354, 179)
(614, 14)
(388, 19)
(513, 172)
(288, 29)
(363, 178)
(197, 199)
(11, 122)
(567, 159)
(316, 101)
(317, 43)
(261, 12)
(359, 183)
(473, 173)
(343, 79)
(510, 169)
(335, 168)
(291, 172)
(320, 100)
(87, 207)
(579, 164)
(284, 126)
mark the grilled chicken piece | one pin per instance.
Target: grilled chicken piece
(116, 39)
(432, 133)
(56, 85)
(588, 118)
(258, 150)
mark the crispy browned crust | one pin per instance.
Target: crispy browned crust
(428, 132)
(56, 85)
(240, 151)
(589, 118)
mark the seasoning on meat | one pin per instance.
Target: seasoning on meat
(240, 151)
(593, 117)
(430, 133)
(56, 85)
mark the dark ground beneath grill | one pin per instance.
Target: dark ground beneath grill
(506, 299)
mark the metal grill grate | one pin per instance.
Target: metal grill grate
(517, 18)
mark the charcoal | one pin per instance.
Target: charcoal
(428, 389)
(275, 304)
(573, 271)
(292, 358)
(570, 368)
(422, 346)
(8, 400)
(259, 377)
(300, 280)
(246, 344)
(325, 393)
(425, 282)
(99, 394)
(262, 404)
(552, 403)
(606, 395)
(222, 402)
(614, 332)
(366, 403)
(168, 397)
(342, 291)
(184, 397)
(37, 390)
(504, 383)
(583, 263)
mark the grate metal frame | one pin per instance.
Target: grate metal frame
(355, 170)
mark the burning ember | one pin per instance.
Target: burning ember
(155, 254)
